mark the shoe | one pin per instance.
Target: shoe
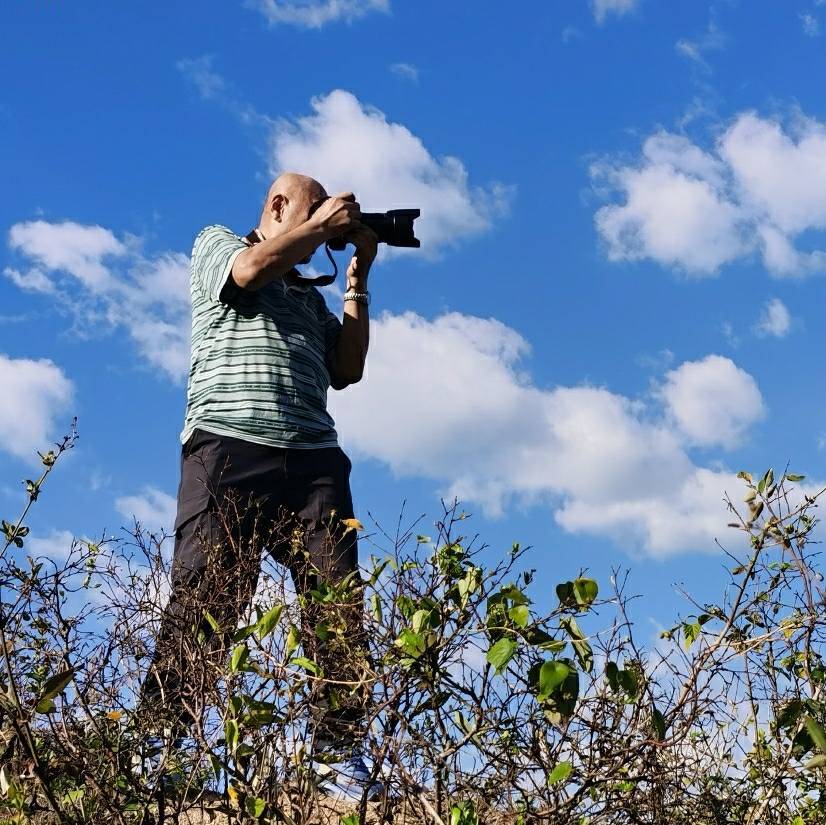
(347, 780)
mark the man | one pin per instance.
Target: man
(257, 435)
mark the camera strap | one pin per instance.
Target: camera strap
(320, 280)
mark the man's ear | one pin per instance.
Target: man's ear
(279, 203)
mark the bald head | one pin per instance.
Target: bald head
(290, 192)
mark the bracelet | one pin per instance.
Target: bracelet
(358, 297)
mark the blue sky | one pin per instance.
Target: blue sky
(617, 301)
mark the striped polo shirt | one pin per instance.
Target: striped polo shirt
(258, 357)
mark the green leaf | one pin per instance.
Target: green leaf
(45, 706)
(560, 705)
(350, 819)
(817, 733)
(818, 761)
(691, 630)
(293, 640)
(55, 684)
(231, 734)
(265, 625)
(584, 654)
(239, 658)
(551, 675)
(629, 683)
(413, 644)
(565, 594)
(421, 620)
(788, 714)
(255, 807)
(520, 615)
(612, 675)
(560, 773)
(794, 477)
(307, 664)
(74, 795)
(658, 721)
(585, 592)
(501, 653)
(212, 621)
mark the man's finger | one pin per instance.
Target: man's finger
(346, 196)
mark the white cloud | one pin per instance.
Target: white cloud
(603, 8)
(674, 210)
(713, 402)
(108, 283)
(153, 509)
(56, 545)
(447, 400)
(811, 25)
(35, 280)
(313, 14)
(34, 394)
(776, 320)
(349, 146)
(757, 190)
(199, 71)
(71, 247)
(406, 70)
(711, 40)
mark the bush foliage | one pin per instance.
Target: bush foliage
(486, 707)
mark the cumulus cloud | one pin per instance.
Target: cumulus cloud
(447, 399)
(713, 402)
(350, 146)
(775, 320)
(603, 8)
(107, 283)
(34, 394)
(313, 14)
(756, 190)
(153, 509)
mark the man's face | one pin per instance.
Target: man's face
(299, 206)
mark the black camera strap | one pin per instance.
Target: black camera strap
(255, 237)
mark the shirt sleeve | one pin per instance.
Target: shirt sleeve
(213, 255)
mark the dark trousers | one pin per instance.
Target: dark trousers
(237, 499)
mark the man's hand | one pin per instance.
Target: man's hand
(366, 242)
(337, 215)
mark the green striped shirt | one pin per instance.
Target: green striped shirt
(258, 357)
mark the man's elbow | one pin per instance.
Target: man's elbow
(340, 380)
(244, 274)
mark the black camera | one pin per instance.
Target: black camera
(395, 228)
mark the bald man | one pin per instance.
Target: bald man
(257, 437)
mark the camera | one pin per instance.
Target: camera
(395, 228)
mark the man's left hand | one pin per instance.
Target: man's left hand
(366, 242)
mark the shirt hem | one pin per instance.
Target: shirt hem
(298, 445)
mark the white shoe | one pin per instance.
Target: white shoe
(348, 780)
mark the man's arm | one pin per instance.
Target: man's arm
(275, 257)
(350, 352)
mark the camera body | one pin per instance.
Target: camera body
(395, 228)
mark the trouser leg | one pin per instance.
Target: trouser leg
(333, 633)
(214, 575)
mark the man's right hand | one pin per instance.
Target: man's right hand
(337, 215)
